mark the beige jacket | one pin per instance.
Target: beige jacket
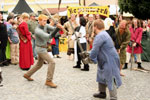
(69, 32)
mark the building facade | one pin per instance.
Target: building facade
(8, 5)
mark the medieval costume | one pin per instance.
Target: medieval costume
(69, 30)
(89, 32)
(82, 40)
(108, 72)
(123, 40)
(145, 56)
(26, 53)
(136, 36)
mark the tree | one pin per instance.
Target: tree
(139, 8)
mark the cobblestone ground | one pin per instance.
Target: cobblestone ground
(73, 84)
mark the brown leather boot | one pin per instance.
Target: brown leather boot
(50, 83)
(27, 77)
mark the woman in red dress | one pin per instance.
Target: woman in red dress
(26, 53)
(136, 37)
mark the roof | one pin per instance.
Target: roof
(21, 7)
(54, 10)
(94, 4)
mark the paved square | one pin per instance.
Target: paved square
(73, 84)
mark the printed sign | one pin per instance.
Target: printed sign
(102, 10)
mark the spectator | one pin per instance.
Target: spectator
(90, 31)
(69, 31)
(14, 43)
(135, 41)
(3, 42)
(32, 24)
(81, 33)
(123, 38)
(26, 53)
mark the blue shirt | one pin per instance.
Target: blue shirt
(13, 35)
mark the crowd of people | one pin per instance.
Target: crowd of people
(23, 39)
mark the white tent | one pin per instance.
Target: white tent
(127, 14)
(64, 13)
(114, 9)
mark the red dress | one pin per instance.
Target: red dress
(136, 35)
(26, 53)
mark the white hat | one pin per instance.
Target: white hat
(108, 22)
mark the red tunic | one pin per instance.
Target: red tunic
(136, 36)
(26, 53)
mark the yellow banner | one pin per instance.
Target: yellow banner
(63, 45)
(102, 10)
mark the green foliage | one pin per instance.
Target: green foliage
(139, 8)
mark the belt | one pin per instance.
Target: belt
(41, 46)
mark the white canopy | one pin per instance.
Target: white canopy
(63, 13)
(114, 9)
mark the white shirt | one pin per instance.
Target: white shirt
(82, 31)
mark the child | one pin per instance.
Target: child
(14, 43)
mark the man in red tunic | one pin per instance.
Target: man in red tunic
(26, 53)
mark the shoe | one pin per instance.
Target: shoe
(139, 66)
(101, 95)
(84, 69)
(50, 83)
(13, 63)
(25, 69)
(1, 65)
(77, 66)
(125, 66)
(6, 64)
(58, 57)
(27, 77)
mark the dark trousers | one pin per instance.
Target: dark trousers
(2, 55)
(86, 66)
(55, 48)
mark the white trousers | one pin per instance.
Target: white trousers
(128, 57)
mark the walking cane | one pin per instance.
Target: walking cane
(132, 53)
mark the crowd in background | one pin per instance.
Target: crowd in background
(112, 41)
(21, 28)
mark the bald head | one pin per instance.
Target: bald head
(91, 17)
(122, 26)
